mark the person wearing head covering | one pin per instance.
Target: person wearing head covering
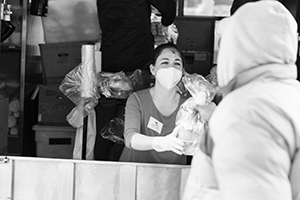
(150, 114)
(255, 129)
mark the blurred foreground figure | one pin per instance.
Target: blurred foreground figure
(252, 149)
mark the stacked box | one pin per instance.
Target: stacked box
(54, 141)
(58, 60)
(54, 106)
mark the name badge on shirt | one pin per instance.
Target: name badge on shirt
(155, 125)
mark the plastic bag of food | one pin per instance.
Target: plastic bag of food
(192, 124)
(136, 80)
(114, 85)
(113, 131)
(213, 79)
(80, 84)
(201, 90)
(212, 76)
(170, 33)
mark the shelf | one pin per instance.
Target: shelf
(8, 46)
(13, 136)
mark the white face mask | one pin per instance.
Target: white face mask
(168, 77)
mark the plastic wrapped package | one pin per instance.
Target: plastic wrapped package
(162, 34)
(114, 131)
(80, 84)
(201, 90)
(171, 33)
(136, 80)
(212, 76)
(192, 126)
(114, 85)
(213, 79)
(191, 123)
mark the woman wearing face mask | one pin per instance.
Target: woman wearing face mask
(150, 114)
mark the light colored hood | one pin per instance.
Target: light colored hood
(257, 35)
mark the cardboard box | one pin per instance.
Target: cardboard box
(3, 125)
(54, 141)
(53, 106)
(59, 59)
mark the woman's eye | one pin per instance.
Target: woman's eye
(178, 64)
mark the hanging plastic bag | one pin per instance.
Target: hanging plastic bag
(75, 119)
(113, 131)
(136, 80)
(192, 123)
(80, 84)
(114, 85)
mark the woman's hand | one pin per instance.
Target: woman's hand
(168, 143)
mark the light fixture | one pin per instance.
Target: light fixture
(6, 26)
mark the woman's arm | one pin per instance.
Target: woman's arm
(160, 144)
(141, 142)
(133, 116)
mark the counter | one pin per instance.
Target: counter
(43, 178)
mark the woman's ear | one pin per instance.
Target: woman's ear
(152, 69)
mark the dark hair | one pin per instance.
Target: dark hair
(157, 51)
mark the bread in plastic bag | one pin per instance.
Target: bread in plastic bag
(192, 124)
(200, 89)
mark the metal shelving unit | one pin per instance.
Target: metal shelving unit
(12, 73)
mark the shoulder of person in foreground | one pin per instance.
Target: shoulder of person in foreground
(247, 152)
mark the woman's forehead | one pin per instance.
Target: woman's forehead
(169, 51)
